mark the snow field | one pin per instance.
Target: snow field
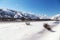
(21, 31)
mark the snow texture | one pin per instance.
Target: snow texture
(34, 31)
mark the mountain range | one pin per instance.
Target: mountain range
(8, 13)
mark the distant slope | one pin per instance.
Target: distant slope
(56, 17)
(7, 13)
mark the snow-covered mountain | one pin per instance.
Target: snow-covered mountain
(56, 17)
(7, 13)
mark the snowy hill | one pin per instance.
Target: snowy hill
(7, 13)
(56, 17)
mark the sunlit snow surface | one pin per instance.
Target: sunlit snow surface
(34, 31)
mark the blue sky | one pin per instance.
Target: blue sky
(49, 7)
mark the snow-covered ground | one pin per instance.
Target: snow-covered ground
(35, 31)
